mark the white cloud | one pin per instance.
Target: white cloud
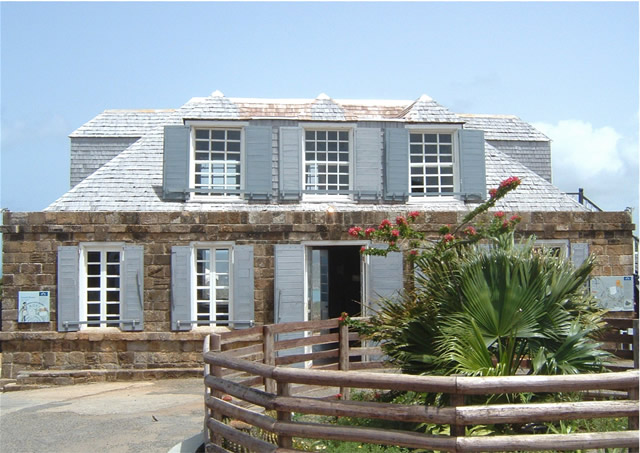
(578, 147)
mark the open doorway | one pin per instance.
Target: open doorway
(334, 281)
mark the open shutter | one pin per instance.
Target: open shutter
(289, 290)
(68, 288)
(368, 163)
(258, 162)
(243, 305)
(180, 287)
(473, 178)
(396, 164)
(579, 253)
(385, 279)
(290, 163)
(175, 180)
(133, 287)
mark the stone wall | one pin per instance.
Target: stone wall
(31, 241)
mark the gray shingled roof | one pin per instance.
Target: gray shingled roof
(132, 181)
(426, 109)
(124, 123)
(503, 127)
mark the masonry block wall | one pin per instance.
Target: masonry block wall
(30, 253)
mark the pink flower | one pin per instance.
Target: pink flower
(470, 231)
(385, 223)
(499, 214)
(401, 220)
(413, 215)
(505, 224)
(338, 395)
(448, 237)
(493, 193)
(392, 243)
(395, 233)
(363, 249)
(511, 181)
(515, 218)
(369, 231)
(355, 231)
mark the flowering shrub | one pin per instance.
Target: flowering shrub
(401, 236)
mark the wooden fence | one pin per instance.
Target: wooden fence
(249, 377)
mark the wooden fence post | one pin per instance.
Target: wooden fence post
(215, 346)
(284, 389)
(457, 399)
(633, 422)
(268, 339)
(343, 361)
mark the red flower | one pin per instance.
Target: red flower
(355, 231)
(395, 233)
(512, 181)
(515, 218)
(385, 223)
(369, 231)
(413, 252)
(401, 220)
(499, 214)
(338, 395)
(448, 237)
(493, 193)
(392, 243)
(470, 231)
(363, 249)
(505, 224)
(413, 215)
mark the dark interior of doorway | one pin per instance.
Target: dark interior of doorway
(344, 281)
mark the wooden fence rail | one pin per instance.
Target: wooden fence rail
(246, 381)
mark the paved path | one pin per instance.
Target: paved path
(113, 417)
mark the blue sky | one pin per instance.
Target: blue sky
(569, 68)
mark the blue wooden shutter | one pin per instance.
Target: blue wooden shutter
(68, 288)
(473, 178)
(258, 162)
(368, 163)
(243, 305)
(385, 279)
(133, 287)
(290, 163)
(180, 287)
(579, 253)
(396, 164)
(289, 290)
(175, 181)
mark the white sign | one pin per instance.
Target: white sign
(33, 306)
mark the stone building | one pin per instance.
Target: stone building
(230, 212)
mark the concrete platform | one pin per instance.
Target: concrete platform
(114, 417)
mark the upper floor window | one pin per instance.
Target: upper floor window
(431, 163)
(327, 156)
(217, 166)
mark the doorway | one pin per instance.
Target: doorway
(334, 283)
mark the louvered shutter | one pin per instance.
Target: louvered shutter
(68, 288)
(473, 178)
(243, 297)
(258, 162)
(175, 180)
(385, 279)
(579, 253)
(368, 163)
(396, 164)
(133, 287)
(180, 287)
(289, 290)
(290, 163)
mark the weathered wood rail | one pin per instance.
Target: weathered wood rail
(248, 378)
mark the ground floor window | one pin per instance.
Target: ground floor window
(101, 295)
(212, 285)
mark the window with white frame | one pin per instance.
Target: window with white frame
(212, 284)
(217, 161)
(327, 156)
(101, 292)
(431, 162)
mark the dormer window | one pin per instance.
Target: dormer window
(217, 165)
(431, 162)
(327, 157)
